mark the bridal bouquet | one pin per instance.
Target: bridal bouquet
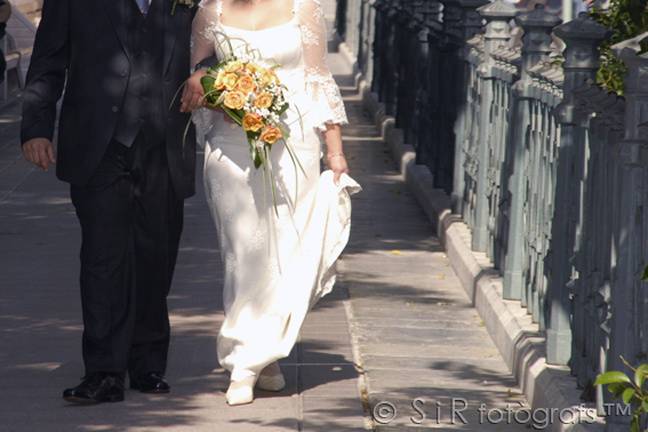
(253, 97)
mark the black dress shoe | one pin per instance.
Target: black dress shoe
(96, 388)
(150, 383)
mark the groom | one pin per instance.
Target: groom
(121, 146)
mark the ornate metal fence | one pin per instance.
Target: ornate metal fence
(547, 170)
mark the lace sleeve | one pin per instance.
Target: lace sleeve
(202, 47)
(319, 80)
(202, 32)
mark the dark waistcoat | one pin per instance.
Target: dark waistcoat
(143, 101)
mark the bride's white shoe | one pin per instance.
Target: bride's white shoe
(271, 378)
(241, 390)
(273, 383)
(242, 383)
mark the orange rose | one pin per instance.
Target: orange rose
(264, 100)
(271, 134)
(233, 66)
(268, 77)
(228, 81)
(252, 122)
(251, 68)
(234, 100)
(218, 83)
(246, 84)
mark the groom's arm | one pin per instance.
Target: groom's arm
(47, 71)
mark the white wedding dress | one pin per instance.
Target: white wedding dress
(276, 267)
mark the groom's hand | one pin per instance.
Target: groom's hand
(40, 152)
(193, 93)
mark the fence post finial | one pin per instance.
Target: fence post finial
(582, 37)
(498, 31)
(536, 42)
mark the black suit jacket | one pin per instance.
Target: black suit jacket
(80, 46)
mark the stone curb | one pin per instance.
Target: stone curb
(518, 339)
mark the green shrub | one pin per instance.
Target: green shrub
(630, 391)
(626, 19)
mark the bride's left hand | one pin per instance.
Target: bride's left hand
(338, 164)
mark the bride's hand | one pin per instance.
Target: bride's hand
(193, 93)
(338, 164)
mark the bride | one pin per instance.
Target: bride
(278, 260)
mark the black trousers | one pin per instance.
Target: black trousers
(131, 221)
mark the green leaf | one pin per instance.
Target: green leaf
(640, 374)
(644, 405)
(207, 82)
(283, 109)
(634, 426)
(625, 19)
(644, 276)
(252, 148)
(612, 377)
(618, 388)
(628, 394)
(257, 157)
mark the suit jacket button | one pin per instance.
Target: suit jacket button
(115, 108)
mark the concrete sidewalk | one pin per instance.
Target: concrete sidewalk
(407, 331)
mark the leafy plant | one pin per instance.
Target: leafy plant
(625, 19)
(630, 391)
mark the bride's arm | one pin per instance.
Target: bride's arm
(320, 83)
(202, 47)
(202, 33)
